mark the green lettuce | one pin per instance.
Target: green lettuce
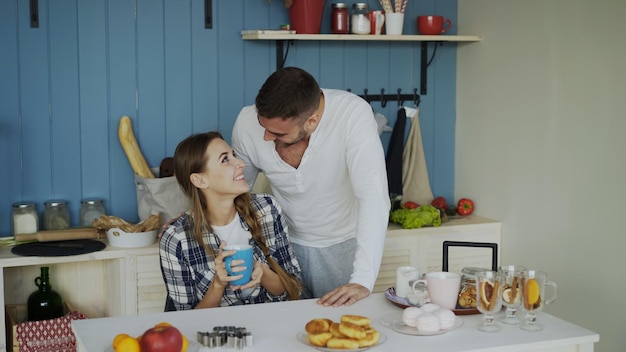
(425, 215)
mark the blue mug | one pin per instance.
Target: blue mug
(242, 252)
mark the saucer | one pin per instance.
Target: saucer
(402, 302)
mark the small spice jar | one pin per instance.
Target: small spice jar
(90, 209)
(360, 22)
(56, 215)
(24, 218)
(467, 293)
(339, 18)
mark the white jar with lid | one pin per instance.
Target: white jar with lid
(56, 215)
(90, 209)
(24, 218)
(359, 21)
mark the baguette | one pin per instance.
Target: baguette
(131, 148)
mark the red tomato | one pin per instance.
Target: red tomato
(465, 207)
(410, 205)
(439, 202)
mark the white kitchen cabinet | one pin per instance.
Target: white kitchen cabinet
(111, 282)
(423, 247)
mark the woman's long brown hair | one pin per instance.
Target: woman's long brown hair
(190, 157)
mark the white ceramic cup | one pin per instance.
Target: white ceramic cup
(404, 276)
(394, 21)
(442, 286)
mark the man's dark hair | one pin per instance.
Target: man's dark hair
(289, 92)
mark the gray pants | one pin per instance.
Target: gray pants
(324, 269)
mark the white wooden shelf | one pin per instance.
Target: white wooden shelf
(260, 35)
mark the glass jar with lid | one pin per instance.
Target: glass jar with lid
(56, 215)
(339, 18)
(467, 293)
(90, 209)
(359, 21)
(24, 218)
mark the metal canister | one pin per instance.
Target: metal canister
(467, 293)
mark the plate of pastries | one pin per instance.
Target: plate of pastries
(350, 333)
(427, 320)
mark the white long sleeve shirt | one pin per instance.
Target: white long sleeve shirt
(339, 191)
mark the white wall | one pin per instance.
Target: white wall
(540, 145)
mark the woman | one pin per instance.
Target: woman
(223, 211)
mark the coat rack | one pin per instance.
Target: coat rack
(384, 98)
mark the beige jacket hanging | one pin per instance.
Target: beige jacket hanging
(415, 182)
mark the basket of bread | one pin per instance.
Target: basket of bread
(121, 233)
(351, 332)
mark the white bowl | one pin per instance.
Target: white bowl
(119, 238)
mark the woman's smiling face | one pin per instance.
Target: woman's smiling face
(223, 172)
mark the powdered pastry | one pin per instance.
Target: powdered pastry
(427, 322)
(410, 314)
(446, 318)
(430, 307)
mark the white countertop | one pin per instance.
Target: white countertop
(275, 326)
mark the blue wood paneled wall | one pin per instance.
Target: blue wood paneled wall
(64, 86)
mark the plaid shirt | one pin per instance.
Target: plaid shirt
(188, 269)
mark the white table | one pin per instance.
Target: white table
(275, 326)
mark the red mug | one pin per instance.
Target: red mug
(433, 25)
(377, 18)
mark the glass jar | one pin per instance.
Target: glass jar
(90, 209)
(56, 215)
(339, 18)
(360, 22)
(24, 218)
(467, 293)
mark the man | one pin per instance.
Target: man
(322, 155)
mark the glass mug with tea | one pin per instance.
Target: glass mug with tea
(534, 298)
(488, 299)
(511, 292)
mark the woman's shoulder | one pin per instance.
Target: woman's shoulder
(177, 228)
(264, 201)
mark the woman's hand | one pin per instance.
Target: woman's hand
(255, 278)
(222, 278)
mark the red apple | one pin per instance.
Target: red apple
(161, 339)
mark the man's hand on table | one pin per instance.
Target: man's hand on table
(344, 295)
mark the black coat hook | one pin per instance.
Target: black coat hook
(416, 97)
(365, 96)
(383, 101)
(400, 101)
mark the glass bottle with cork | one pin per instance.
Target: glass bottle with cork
(45, 303)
